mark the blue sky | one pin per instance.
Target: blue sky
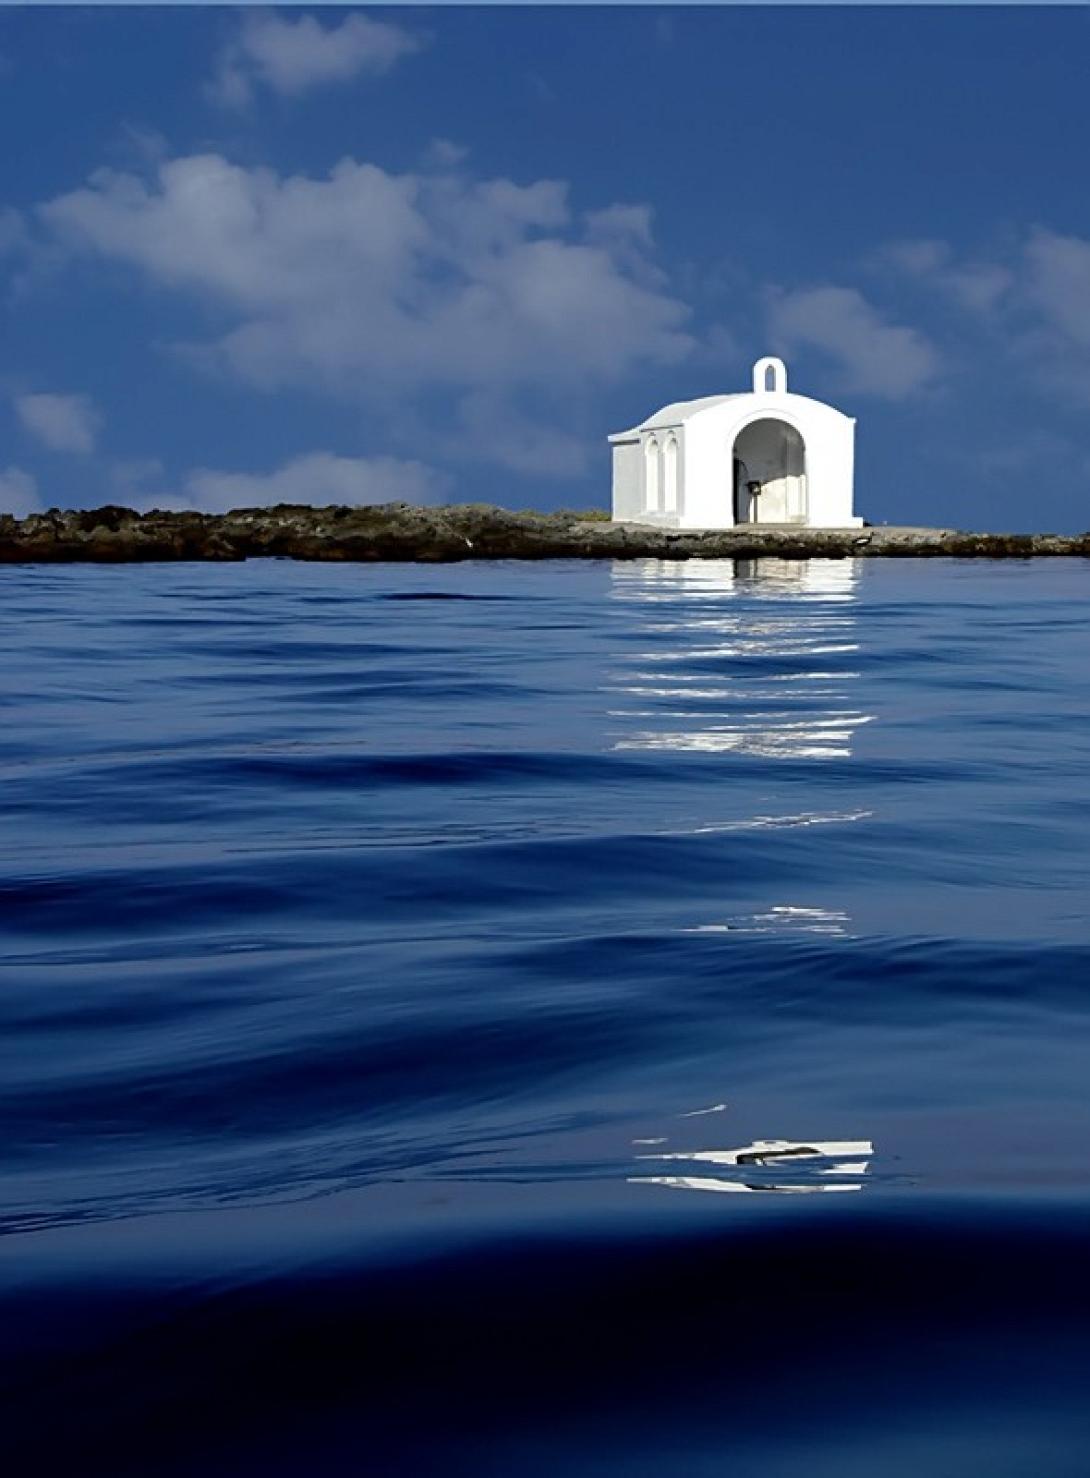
(439, 253)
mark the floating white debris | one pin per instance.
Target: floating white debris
(716, 1108)
(710, 1183)
(775, 1152)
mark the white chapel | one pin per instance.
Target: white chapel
(759, 457)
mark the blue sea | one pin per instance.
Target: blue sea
(546, 1019)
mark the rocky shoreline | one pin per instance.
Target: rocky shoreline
(403, 532)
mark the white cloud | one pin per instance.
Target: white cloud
(918, 257)
(64, 423)
(625, 223)
(977, 286)
(444, 154)
(873, 356)
(293, 56)
(1047, 328)
(18, 492)
(375, 286)
(1057, 283)
(144, 145)
(1030, 298)
(318, 478)
(625, 232)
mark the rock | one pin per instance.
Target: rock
(404, 532)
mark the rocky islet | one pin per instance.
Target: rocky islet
(402, 532)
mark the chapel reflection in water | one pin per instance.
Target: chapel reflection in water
(752, 657)
(817, 1167)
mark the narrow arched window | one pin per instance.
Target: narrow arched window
(669, 475)
(651, 475)
(770, 377)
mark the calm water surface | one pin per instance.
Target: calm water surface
(403, 968)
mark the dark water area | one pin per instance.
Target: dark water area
(572, 1019)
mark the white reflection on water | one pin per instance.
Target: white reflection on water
(811, 1157)
(737, 657)
(779, 823)
(710, 1183)
(768, 578)
(781, 918)
(766, 1152)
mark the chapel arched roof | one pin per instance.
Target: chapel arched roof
(736, 406)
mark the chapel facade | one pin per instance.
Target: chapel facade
(758, 457)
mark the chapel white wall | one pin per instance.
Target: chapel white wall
(830, 446)
(708, 476)
(627, 479)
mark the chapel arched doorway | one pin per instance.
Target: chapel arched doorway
(769, 474)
